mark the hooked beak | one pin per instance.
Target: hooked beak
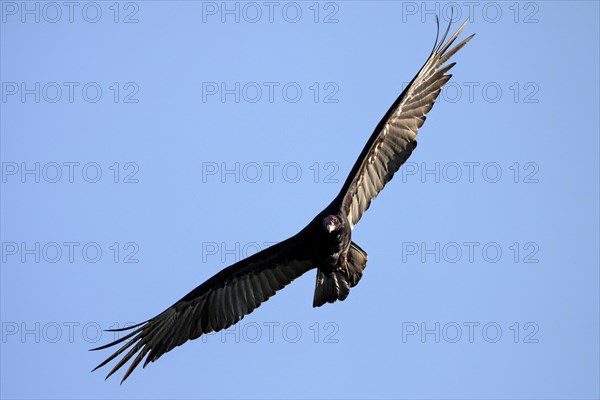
(330, 228)
(331, 223)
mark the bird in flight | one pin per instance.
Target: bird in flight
(325, 243)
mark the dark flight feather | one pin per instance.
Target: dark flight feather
(218, 303)
(395, 137)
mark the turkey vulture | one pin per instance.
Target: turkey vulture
(325, 243)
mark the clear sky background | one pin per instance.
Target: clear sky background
(146, 145)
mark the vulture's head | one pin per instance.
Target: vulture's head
(332, 223)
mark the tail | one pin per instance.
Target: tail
(335, 285)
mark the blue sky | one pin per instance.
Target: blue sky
(146, 145)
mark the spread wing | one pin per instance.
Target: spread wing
(216, 304)
(395, 137)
